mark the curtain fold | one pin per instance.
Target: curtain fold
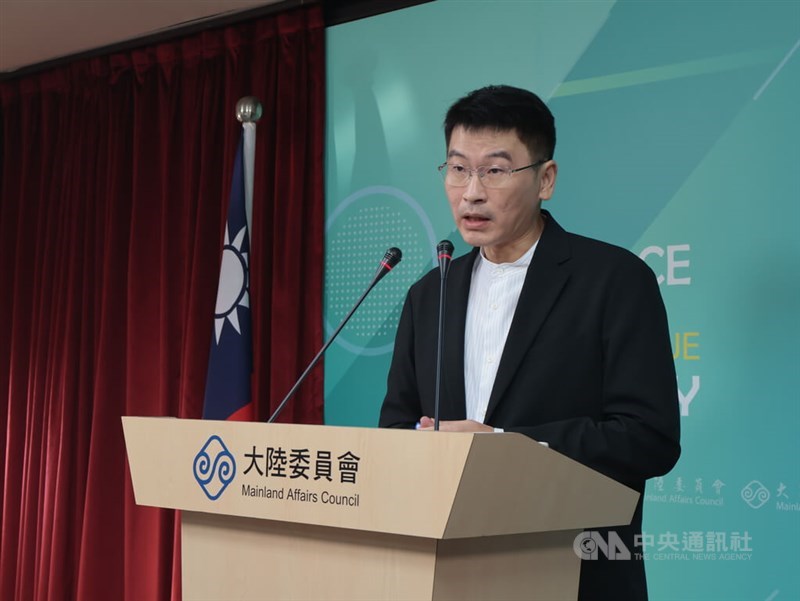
(115, 173)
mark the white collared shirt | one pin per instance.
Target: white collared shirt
(493, 297)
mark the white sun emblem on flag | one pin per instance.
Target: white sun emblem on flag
(233, 285)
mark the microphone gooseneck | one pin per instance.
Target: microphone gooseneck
(391, 258)
(444, 251)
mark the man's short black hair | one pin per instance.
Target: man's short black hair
(506, 108)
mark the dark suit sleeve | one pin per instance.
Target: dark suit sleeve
(635, 434)
(401, 407)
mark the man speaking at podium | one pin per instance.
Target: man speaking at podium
(547, 333)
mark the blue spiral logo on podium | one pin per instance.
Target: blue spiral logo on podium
(214, 467)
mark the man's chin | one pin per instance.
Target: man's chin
(473, 238)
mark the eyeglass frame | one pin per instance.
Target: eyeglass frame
(476, 170)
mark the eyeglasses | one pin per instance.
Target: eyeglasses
(491, 176)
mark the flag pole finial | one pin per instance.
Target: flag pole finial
(248, 109)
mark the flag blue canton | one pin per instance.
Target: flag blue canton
(231, 356)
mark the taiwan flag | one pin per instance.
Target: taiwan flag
(230, 361)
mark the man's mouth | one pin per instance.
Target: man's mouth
(475, 222)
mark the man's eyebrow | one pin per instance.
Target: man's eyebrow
(497, 154)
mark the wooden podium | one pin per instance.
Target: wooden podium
(274, 511)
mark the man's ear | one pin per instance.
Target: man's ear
(547, 181)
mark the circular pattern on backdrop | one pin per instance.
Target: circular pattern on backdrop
(359, 231)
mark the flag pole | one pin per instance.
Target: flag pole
(248, 112)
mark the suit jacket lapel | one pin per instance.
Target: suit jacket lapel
(544, 281)
(454, 394)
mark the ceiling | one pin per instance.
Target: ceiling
(35, 31)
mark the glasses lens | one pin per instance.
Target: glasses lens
(455, 175)
(494, 177)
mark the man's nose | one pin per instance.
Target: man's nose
(475, 190)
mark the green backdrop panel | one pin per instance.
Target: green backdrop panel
(678, 138)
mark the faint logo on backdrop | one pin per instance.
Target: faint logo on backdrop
(214, 467)
(755, 494)
(358, 232)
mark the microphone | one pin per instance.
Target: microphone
(444, 251)
(391, 258)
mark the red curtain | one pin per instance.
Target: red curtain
(115, 179)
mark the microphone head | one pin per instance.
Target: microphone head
(444, 251)
(392, 257)
(445, 247)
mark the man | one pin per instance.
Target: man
(553, 335)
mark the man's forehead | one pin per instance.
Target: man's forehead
(489, 142)
(480, 132)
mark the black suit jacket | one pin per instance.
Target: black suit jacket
(587, 367)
